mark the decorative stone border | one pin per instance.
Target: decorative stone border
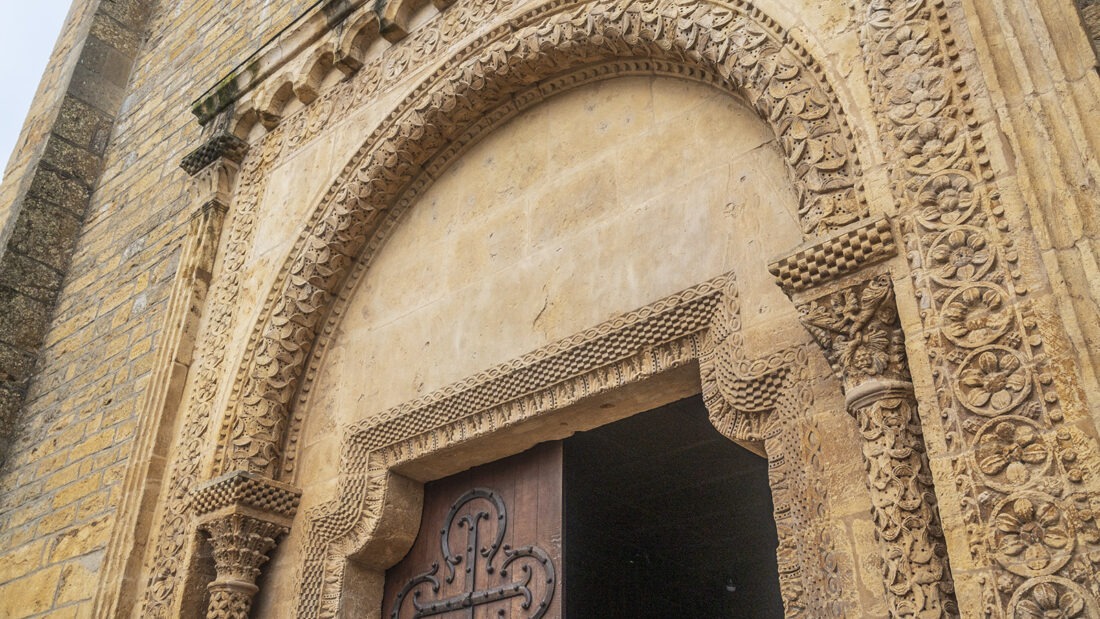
(670, 333)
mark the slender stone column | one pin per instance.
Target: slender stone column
(244, 515)
(857, 326)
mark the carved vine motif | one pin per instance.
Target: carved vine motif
(764, 401)
(915, 570)
(993, 383)
(744, 50)
(857, 327)
(534, 566)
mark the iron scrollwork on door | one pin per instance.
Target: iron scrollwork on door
(482, 582)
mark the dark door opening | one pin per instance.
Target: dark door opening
(655, 516)
(666, 518)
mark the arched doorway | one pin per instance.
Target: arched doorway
(518, 257)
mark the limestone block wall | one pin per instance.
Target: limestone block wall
(62, 482)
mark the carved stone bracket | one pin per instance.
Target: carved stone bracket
(244, 515)
(220, 145)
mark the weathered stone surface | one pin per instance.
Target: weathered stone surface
(447, 231)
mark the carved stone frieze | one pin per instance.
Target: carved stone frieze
(995, 398)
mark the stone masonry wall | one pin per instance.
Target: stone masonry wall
(61, 482)
(57, 165)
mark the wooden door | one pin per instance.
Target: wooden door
(490, 544)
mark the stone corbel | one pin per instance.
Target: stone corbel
(219, 145)
(845, 299)
(244, 516)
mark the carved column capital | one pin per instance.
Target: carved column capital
(858, 329)
(847, 303)
(244, 515)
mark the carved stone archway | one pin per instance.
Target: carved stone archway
(743, 52)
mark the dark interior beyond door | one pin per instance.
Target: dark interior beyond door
(666, 518)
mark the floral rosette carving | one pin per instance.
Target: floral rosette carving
(993, 381)
(948, 199)
(1052, 597)
(932, 145)
(960, 256)
(1033, 535)
(976, 315)
(919, 96)
(1011, 452)
(904, 49)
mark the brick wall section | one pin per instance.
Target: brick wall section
(63, 476)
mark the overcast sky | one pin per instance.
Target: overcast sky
(28, 32)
